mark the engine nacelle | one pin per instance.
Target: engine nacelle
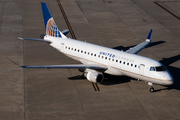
(94, 76)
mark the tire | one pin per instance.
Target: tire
(151, 89)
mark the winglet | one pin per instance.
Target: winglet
(149, 36)
(141, 46)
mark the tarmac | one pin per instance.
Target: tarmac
(60, 94)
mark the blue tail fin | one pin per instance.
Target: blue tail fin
(50, 26)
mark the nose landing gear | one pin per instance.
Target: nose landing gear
(151, 89)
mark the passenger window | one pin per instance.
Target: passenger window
(124, 62)
(112, 59)
(135, 66)
(131, 64)
(116, 60)
(69, 48)
(66, 47)
(74, 49)
(88, 53)
(95, 55)
(109, 58)
(81, 51)
(119, 61)
(102, 56)
(85, 52)
(78, 50)
(98, 55)
(127, 63)
(91, 54)
(105, 57)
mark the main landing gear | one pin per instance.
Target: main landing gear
(151, 89)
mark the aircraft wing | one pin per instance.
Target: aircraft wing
(73, 66)
(138, 48)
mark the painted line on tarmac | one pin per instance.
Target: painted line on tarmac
(96, 88)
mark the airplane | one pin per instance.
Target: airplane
(97, 60)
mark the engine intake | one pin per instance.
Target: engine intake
(94, 76)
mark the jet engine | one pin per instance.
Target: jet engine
(93, 76)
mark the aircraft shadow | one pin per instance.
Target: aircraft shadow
(108, 79)
(126, 48)
(113, 80)
(78, 77)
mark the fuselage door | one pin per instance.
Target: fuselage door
(141, 69)
(62, 47)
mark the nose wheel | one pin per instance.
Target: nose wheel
(151, 89)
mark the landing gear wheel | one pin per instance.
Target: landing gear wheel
(151, 89)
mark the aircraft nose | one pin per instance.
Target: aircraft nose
(169, 78)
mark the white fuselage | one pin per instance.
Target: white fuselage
(118, 62)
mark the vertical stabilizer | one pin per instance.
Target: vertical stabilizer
(50, 25)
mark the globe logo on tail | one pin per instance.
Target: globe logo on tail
(52, 29)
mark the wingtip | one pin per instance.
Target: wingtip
(20, 38)
(43, 3)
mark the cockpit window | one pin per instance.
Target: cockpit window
(159, 68)
(152, 69)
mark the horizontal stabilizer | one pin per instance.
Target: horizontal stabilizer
(34, 39)
(65, 32)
